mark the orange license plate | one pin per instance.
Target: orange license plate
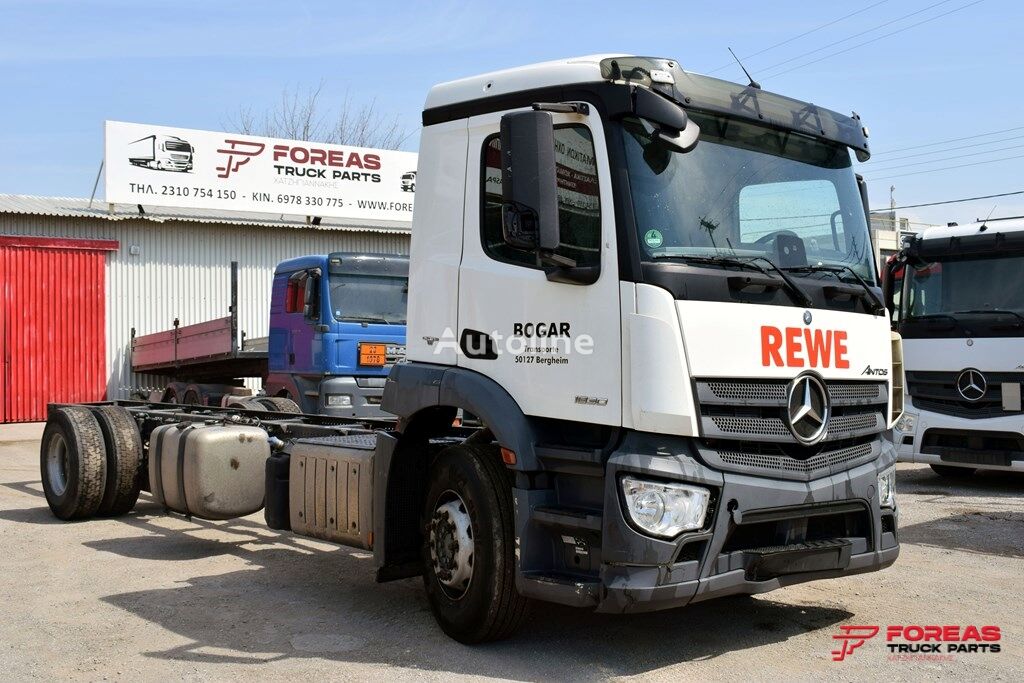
(372, 354)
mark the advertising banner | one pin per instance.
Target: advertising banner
(198, 169)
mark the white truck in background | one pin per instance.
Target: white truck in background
(161, 153)
(683, 386)
(958, 302)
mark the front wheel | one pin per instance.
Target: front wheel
(469, 546)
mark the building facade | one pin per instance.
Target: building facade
(78, 280)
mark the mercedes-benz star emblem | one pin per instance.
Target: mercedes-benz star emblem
(971, 384)
(808, 409)
(808, 317)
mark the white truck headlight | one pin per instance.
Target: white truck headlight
(905, 423)
(887, 488)
(339, 400)
(665, 510)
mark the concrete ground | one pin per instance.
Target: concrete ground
(155, 597)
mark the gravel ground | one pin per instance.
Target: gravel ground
(155, 597)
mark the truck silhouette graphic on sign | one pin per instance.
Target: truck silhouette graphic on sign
(161, 153)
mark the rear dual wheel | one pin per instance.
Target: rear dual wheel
(90, 461)
(278, 404)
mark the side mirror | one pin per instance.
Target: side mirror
(674, 129)
(895, 269)
(529, 190)
(862, 186)
(311, 307)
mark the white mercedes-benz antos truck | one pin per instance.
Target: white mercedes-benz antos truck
(654, 293)
(960, 292)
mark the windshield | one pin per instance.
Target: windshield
(748, 191)
(967, 286)
(369, 298)
(177, 146)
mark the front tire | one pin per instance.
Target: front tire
(73, 463)
(469, 546)
(951, 472)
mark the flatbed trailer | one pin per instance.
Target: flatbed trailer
(320, 360)
(205, 361)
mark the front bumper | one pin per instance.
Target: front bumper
(364, 394)
(909, 444)
(763, 533)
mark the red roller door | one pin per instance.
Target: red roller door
(52, 333)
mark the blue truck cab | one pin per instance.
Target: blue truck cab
(337, 325)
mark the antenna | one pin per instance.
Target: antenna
(753, 83)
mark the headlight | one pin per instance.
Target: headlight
(665, 509)
(887, 488)
(905, 423)
(339, 400)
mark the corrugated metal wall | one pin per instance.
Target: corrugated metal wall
(51, 329)
(182, 270)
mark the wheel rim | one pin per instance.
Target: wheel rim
(451, 545)
(57, 464)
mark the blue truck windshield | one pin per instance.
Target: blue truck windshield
(369, 298)
(743, 187)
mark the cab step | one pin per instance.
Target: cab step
(567, 517)
(565, 589)
(588, 462)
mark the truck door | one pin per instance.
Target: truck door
(555, 347)
(292, 331)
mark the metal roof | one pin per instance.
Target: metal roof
(74, 207)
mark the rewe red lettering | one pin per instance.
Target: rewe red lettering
(796, 347)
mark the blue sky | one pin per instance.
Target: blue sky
(66, 66)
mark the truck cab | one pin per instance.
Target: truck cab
(656, 290)
(337, 326)
(957, 293)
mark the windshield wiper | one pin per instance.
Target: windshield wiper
(794, 289)
(710, 260)
(363, 319)
(876, 304)
(992, 311)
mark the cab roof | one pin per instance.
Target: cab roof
(585, 69)
(511, 88)
(1003, 225)
(355, 261)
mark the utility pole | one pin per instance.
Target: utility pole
(892, 206)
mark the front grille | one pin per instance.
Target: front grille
(743, 425)
(744, 392)
(819, 464)
(774, 392)
(937, 392)
(394, 353)
(752, 426)
(768, 424)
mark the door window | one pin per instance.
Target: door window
(579, 205)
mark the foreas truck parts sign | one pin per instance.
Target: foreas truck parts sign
(199, 169)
